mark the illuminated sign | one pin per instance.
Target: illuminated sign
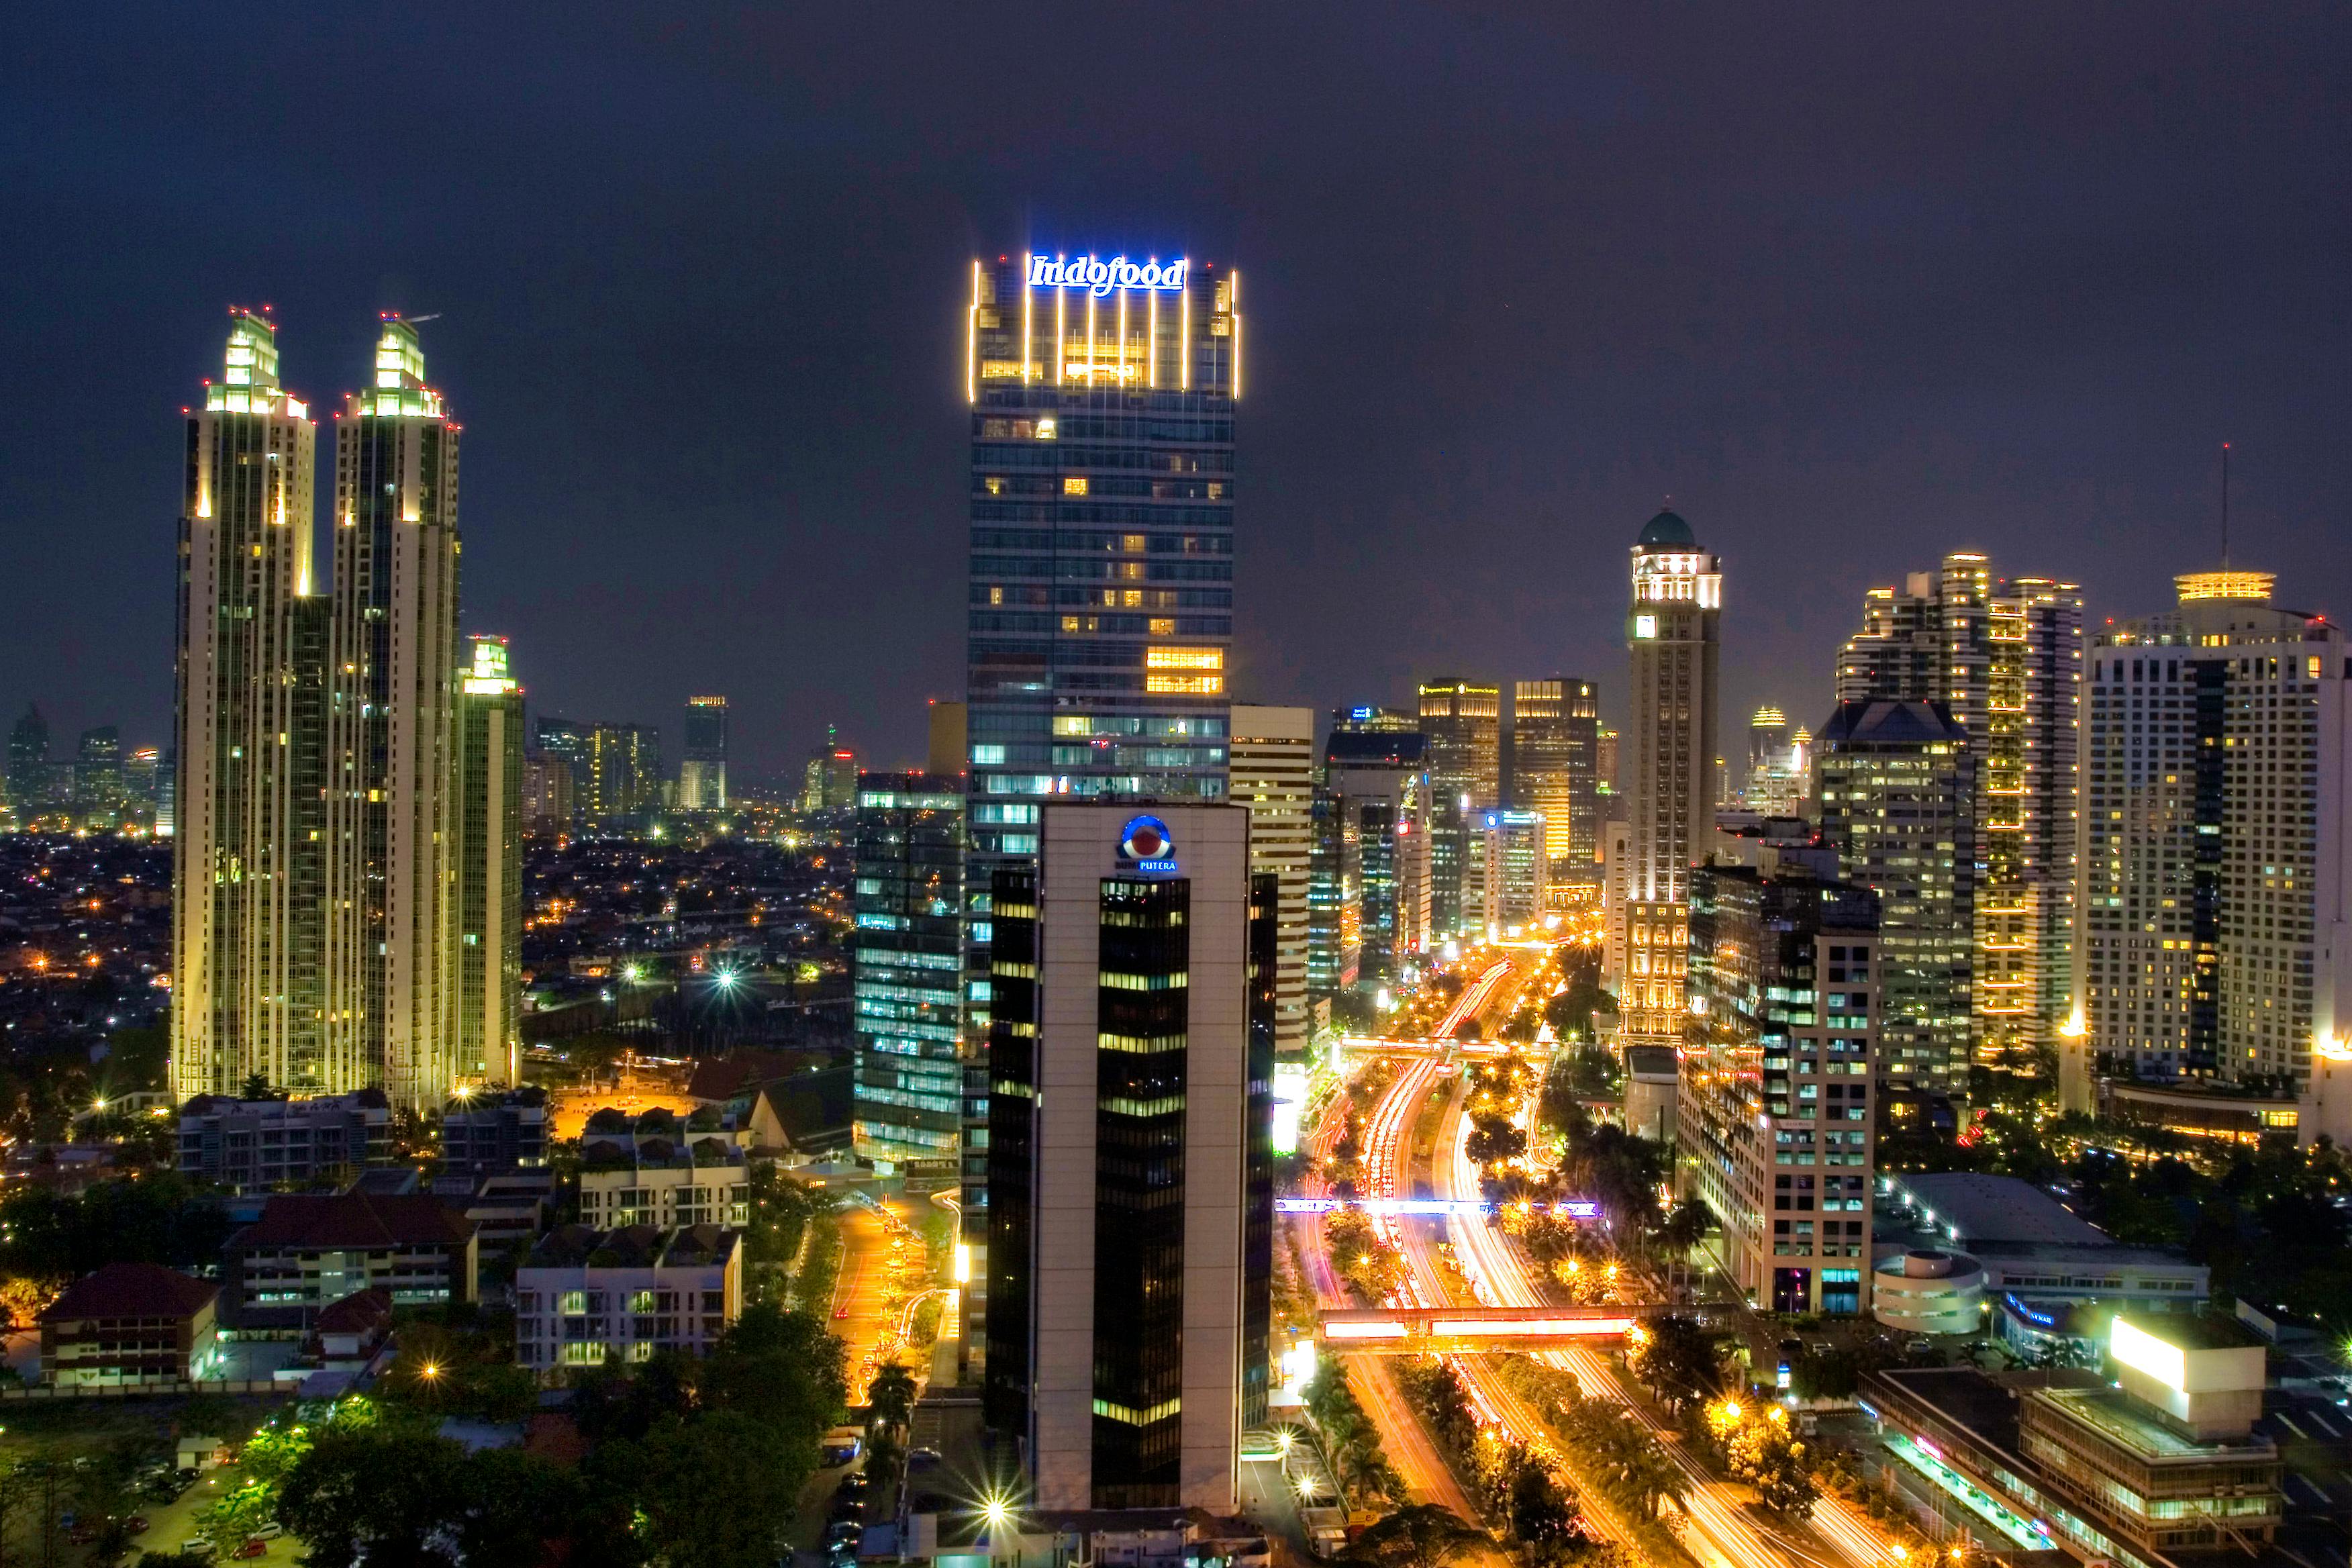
(1645, 626)
(1145, 845)
(1289, 1105)
(1099, 278)
(2143, 1352)
(1438, 1208)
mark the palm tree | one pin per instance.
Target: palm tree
(890, 1397)
(1421, 1536)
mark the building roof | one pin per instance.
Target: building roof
(131, 1290)
(1667, 532)
(1883, 722)
(632, 1246)
(355, 1313)
(1652, 1062)
(1997, 1208)
(355, 1220)
(717, 1080)
(812, 1109)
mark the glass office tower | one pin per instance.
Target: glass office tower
(1102, 388)
(909, 891)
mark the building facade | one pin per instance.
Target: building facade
(1555, 744)
(1130, 1171)
(1672, 636)
(489, 869)
(129, 1323)
(1273, 769)
(1896, 790)
(1773, 1125)
(664, 1182)
(1515, 866)
(611, 1297)
(908, 1001)
(702, 769)
(260, 1145)
(1381, 848)
(307, 1252)
(1462, 722)
(623, 777)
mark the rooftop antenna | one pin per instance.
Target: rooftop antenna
(2225, 505)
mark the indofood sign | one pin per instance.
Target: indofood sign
(1099, 278)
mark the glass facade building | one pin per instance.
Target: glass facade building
(910, 874)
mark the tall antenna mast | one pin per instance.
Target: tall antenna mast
(2225, 505)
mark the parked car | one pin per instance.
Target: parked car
(254, 1547)
(855, 1483)
(841, 1446)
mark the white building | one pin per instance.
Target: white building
(1272, 772)
(1515, 868)
(629, 1180)
(588, 1297)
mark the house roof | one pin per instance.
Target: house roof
(131, 1290)
(812, 1107)
(355, 1220)
(355, 1313)
(717, 1080)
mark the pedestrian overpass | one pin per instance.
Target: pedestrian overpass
(1449, 1330)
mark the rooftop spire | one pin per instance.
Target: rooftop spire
(252, 358)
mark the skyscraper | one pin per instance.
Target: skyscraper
(563, 744)
(625, 771)
(2005, 656)
(246, 873)
(489, 868)
(1378, 852)
(1895, 786)
(1130, 1169)
(28, 763)
(1274, 776)
(1515, 868)
(391, 755)
(702, 771)
(1555, 735)
(1672, 633)
(2212, 938)
(98, 793)
(1102, 392)
(1463, 720)
(909, 977)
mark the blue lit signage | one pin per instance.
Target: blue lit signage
(1099, 278)
(1146, 846)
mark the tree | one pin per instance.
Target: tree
(337, 1501)
(716, 1491)
(891, 1395)
(515, 1508)
(1494, 1140)
(1759, 1448)
(1419, 1536)
(1677, 1359)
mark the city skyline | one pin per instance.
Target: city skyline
(1913, 349)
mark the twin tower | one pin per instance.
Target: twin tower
(346, 875)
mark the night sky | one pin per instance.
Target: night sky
(1855, 286)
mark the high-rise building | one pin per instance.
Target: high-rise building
(1777, 782)
(1773, 1121)
(2212, 941)
(702, 771)
(142, 780)
(246, 916)
(1102, 393)
(392, 746)
(1555, 733)
(1673, 636)
(623, 777)
(1463, 720)
(563, 743)
(29, 764)
(2005, 656)
(1895, 786)
(1131, 1155)
(548, 809)
(829, 783)
(1515, 867)
(909, 966)
(489, 868)
(1377, 853)
(948, 739)
(98, 792)
(1274, 776)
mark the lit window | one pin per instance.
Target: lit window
(1074, 485)
(1162, 625)
(996, 596)
(1185, 658)
(993, 484)
(1046, 430)
(1185, 685)
(1069, 623)
(1133, 543)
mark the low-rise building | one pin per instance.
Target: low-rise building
(307, 1252)
(664, 1182)
(589, 1297)
(801, 1118)
(496, 1131)
(129, 1323)
(258, 1145)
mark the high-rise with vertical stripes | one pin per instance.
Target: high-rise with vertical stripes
(1101, 389)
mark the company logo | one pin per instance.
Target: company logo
(1099, 278)
(1145, 844)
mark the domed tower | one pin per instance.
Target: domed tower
(1672, 635)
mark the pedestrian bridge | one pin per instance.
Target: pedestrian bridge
(1439, 1330)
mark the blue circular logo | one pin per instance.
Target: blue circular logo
(1146, 838)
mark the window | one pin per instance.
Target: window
(1074, 485)
(575, 1302)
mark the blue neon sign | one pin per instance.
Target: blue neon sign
(1146, 846)
(1099, 277)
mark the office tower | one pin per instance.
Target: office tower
(1773, 1119)
(246, 872)
(1130, 1196)
(948, 737)
(623, 777)
(1896, 787)
(1605, 759)
(490, 866)
(1274, 776)
(1334, 935)
(29, 764)
(1554, 726)
(2212, 938)
(547, 799)
(830, 781)
(1672, 633)
(1515, 864)
(1102, 393)
(98, 792)
(142, 780)
(1381, 847)
(1463, 720)
(702, 771)
(1776, 784)
(909, 965)
(564, 742)
(392, 800)
(2004, 656)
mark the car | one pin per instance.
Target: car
(853, 1484)
(199, 1546)
(845, 1529)
(848, 1510)
(845, 1549)
(254, 1547)
(269, 1531)
(136, 1524)
(841, 1446)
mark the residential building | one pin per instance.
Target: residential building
(909, 1001)
(1773, 1127)
(1555, 736)
(1272, 772)
(623, 777)
(664, 1182)
(99, 795)
(2214, 942)
(549, 806)
(260, 1145)
(702, 771)
(248, 917)
(28, 738)
(1130, 1165)
(1672, 636)
(504, 1131)
(489, 868)
(306, 1252)
(1895, 783)
(1462, 722)
(1514, 865)
(1100, 597)
(2005, 657)
(591, 1298)
(830, 782)
(129, 1323)
(563, 743)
